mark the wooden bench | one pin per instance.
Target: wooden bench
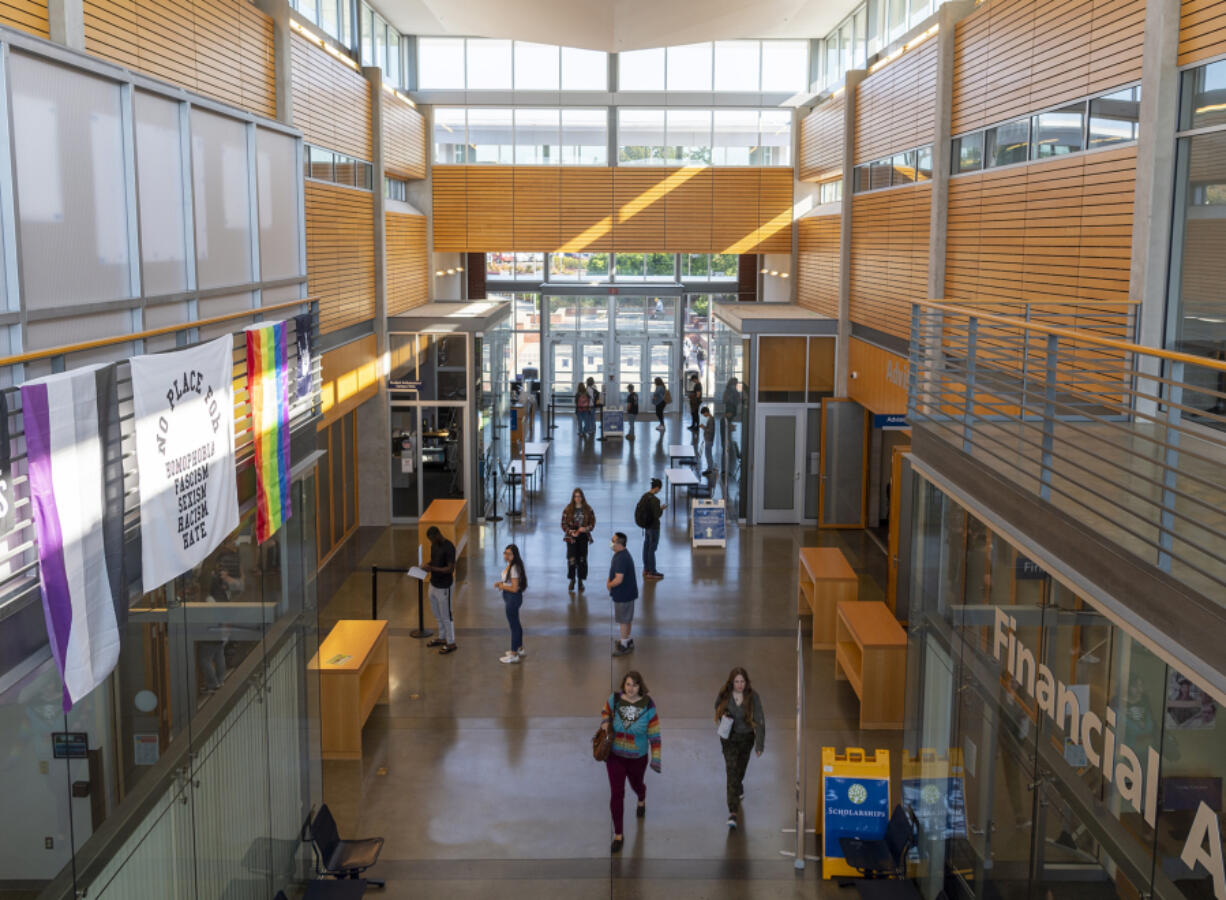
(451, 518)
(870, 651)
(824, 579)
(353, 678)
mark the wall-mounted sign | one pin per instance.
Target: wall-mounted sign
(881, 378)
(69, 744)
(890, 421)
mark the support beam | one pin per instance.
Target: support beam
(67, 23)
(843, 342)
(279, 12)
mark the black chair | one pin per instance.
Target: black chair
(338, 858)
(280, 896)
(883, 857)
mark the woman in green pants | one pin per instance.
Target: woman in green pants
(738, 710)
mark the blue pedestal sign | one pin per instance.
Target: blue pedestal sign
(855, 802)
(613, 423)
(709, 525)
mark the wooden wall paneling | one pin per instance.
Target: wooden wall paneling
(1202, 30)
(340, 254)
(586, 222)
(1116, 39)
(331, 101)
(1060, 63)
(971, 45)
(817, 286)
(869, 258)
(1051, 230)
(408, 263)
(821, 141)
(218, 47)
(538, 209)
(1009, 52)
(896, 105)
(404, 138)
(349, 376)
(687, 212)
(1108, 187)
(450, 208)
(110, 31)
(490, 193)
(734, 210)
(258, 65)
(962, 237)
(889, 257)
(28, 15)
(638, 204)
(775, 203)
(165, 40)
(1001, 232)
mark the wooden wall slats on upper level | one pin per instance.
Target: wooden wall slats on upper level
(596, 209)
(896, 105)
(586, 206)
(408, 264)
(1202, 30)
(331, 101)
(817, 274)
(404, 139)
(28, 15)
(1013, 57)
(1057, 230)
(340, 247)
(222, 49)
(821, 141)
(889, 257)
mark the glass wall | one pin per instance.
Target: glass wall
(729, 361)
(1048, 754)
(493, 65)
(1197, 309)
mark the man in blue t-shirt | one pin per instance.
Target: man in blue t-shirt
(624, 590)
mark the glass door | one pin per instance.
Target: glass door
(630, 371)
(563, 374)
(663, 364)
(406, 464)
(592, 362)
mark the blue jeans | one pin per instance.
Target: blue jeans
(651, 540)
(587, 422)
(513, 603)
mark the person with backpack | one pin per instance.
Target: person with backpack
(694, 394)
(632, 411)
(647, 515)
(660, 398)
(583, 410)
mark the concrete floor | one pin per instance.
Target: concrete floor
(480, 776)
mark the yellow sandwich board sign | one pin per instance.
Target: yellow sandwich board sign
(855, 802)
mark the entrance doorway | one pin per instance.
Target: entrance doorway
(780, 450)
(427, 457)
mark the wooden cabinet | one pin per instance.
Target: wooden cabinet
(451, 518)
(870, 651)
(353, 677)
(824, 579)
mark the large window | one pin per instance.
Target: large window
(382, 45)
(515, 266)
(334, 17)
(1198, 307)
(725, 66)
(721, 137)
(892, 171)
(526, 135)
(502, 65)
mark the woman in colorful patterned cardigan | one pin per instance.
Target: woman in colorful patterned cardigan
(636, 732)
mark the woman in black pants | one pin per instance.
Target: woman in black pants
(744, 733)
(578, 520)
(659, 399)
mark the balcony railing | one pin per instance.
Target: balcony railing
(1128, 440)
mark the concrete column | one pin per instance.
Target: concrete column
(947, 17)
(375, 427)
(1154, 198)
(67, 21)
(420, 195)
(843, 342)
(279, 12)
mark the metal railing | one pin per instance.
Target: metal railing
(1128, 440)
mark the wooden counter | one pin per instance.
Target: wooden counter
(824, 579)
(451, 518)
(353, 678)
(870, 651)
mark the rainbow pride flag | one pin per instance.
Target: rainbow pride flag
(268, 394)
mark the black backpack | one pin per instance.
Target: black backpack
(644, 515)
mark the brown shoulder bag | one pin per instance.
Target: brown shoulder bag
(602, 744)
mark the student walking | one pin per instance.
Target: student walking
(583, 410)
(442, 576)
(660, 399)
(647, 515)
(693, 392)
(623, 590)
(514, 583)
(578, 520)
(632, 411)
(708, 439)
(631, 715)
(742, 729)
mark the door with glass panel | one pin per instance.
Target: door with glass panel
(844, 480)
(631, 357)
(778, 488)
(563, 372)
(662, 363)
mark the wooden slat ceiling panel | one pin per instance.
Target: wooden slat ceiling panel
(775, 201)
(340, 254)
(638, 207)
(687, 212)
(734, 210)
(817, 285)
(537, 192)
(450, 206)
(331, 101)
(490, 194)
(586, 209)
(821, 141)
(408, 263)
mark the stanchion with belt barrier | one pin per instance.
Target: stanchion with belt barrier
(421, 631)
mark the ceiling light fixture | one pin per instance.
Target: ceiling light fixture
(763, 270)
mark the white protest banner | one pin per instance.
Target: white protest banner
(184, 404)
